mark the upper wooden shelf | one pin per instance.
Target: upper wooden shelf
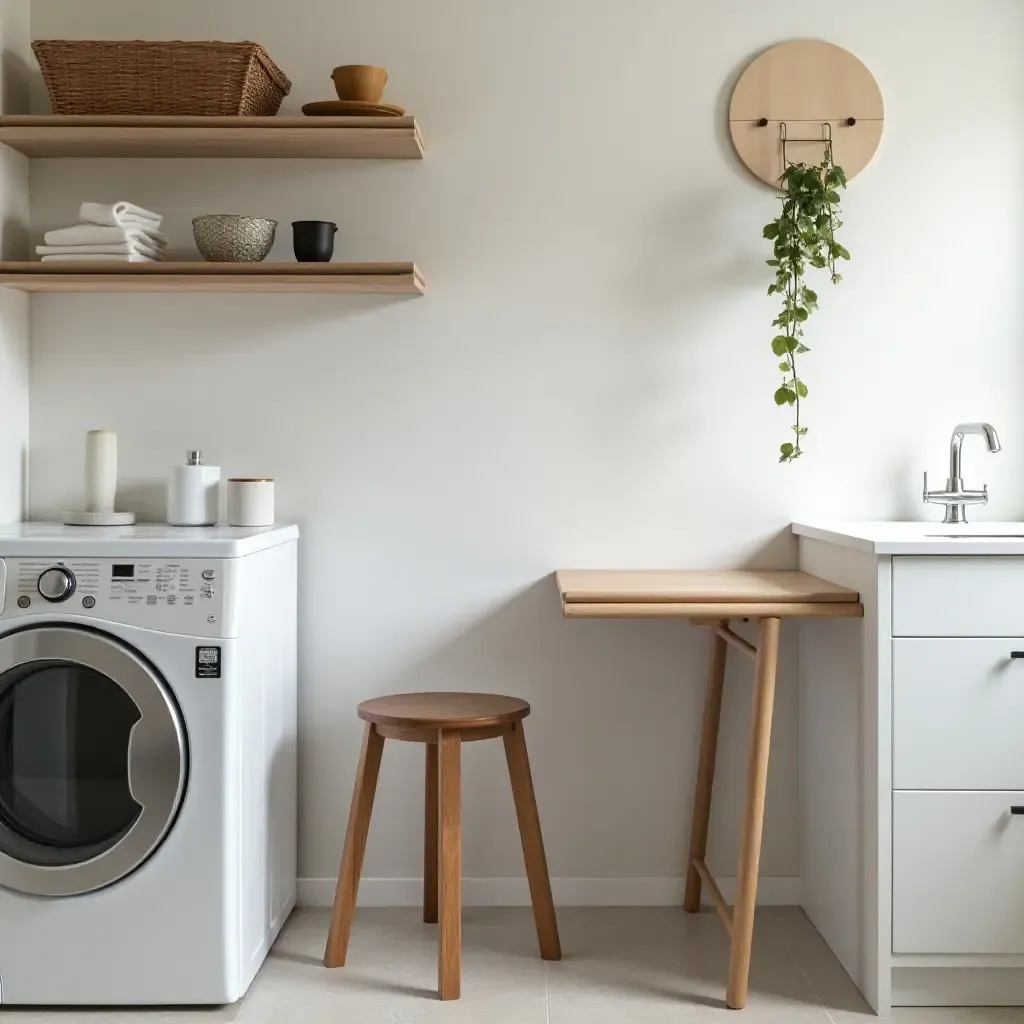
(380, 138)
(376, 278)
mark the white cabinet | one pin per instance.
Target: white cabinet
(958, 873)
(947, 595)
(958, 713)
(911, 759)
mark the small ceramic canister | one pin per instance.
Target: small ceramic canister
(250, 501)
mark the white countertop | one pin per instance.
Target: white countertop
(886, 538)
(147, 540)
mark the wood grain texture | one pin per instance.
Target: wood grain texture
(382, 138)
(533, 843)
(444, 710)
(416, 734)
(355, 848)
(430, 840)
(697, 586)
(805, 82)
(686, 610)
(379, 278)
(753, 812)
(705, 772)
(449, 953)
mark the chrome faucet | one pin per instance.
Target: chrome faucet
(954, 497)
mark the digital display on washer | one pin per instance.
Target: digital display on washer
(123, 572)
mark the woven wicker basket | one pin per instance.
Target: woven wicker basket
(177, 78)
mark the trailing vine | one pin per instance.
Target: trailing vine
(804, 234)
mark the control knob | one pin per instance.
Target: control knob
(56, 584)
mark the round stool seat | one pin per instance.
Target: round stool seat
(436, 711)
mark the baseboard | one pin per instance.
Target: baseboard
(959, 986)
(568, 892)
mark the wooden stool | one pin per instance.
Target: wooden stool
(443, 721)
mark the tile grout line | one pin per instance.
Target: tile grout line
(803, 973)
(547, 995)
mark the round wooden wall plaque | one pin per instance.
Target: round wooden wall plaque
(802, 91)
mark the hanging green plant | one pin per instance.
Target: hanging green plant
(804, 235)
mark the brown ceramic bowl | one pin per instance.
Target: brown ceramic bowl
(359, 82)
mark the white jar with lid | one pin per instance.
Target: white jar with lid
(193, 492)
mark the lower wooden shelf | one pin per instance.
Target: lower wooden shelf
(378, 278)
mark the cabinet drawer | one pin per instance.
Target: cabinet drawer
(957, 878)
(958, 713)
(958, 596)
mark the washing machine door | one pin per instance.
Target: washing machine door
(93, 760)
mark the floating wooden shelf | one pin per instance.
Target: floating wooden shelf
(379, 278)
(381, 138)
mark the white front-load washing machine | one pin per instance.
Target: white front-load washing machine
(147, 761)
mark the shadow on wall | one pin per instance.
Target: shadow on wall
(16, 81)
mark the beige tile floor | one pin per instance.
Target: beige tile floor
(621, 966)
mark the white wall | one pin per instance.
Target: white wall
(15, 76)
(587, 383)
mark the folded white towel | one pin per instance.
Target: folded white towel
(120, 215)
(110, 249)
(95, 257)
(93, 234)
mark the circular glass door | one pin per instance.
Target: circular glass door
(92, 761)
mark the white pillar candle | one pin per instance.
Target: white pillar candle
(100, 470)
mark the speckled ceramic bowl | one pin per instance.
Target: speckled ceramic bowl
(228, 238)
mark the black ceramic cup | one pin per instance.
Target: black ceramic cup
(313, 240)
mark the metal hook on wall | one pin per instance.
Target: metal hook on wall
(826, 138)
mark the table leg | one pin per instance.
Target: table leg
(753, 812)
(705, 771)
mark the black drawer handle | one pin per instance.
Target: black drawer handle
(1017, 654)
(1016, 809)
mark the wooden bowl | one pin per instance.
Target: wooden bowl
(359, 82)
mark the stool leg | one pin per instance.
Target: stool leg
(449, 959)
(753, 813)
(430, 838)
(533, 843)
(355, 847)
(705, 771)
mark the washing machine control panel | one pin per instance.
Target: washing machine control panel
(185, 595)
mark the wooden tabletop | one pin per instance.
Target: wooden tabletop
(701, 594)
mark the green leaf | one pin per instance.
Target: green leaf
(833, 197)
(772, 263)
(780, 344)
(843, 253)
(800, 313)
(810, 296)
(771, 230)
(787, 451)
(792, 345)
(784, 396)
(785, 367)
(801, 347)
(772, 289)
(801, 389)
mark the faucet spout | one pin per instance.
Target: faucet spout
(986, 430)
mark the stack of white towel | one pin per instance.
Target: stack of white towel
(118, 232)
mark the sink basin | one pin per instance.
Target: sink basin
(976, 536)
